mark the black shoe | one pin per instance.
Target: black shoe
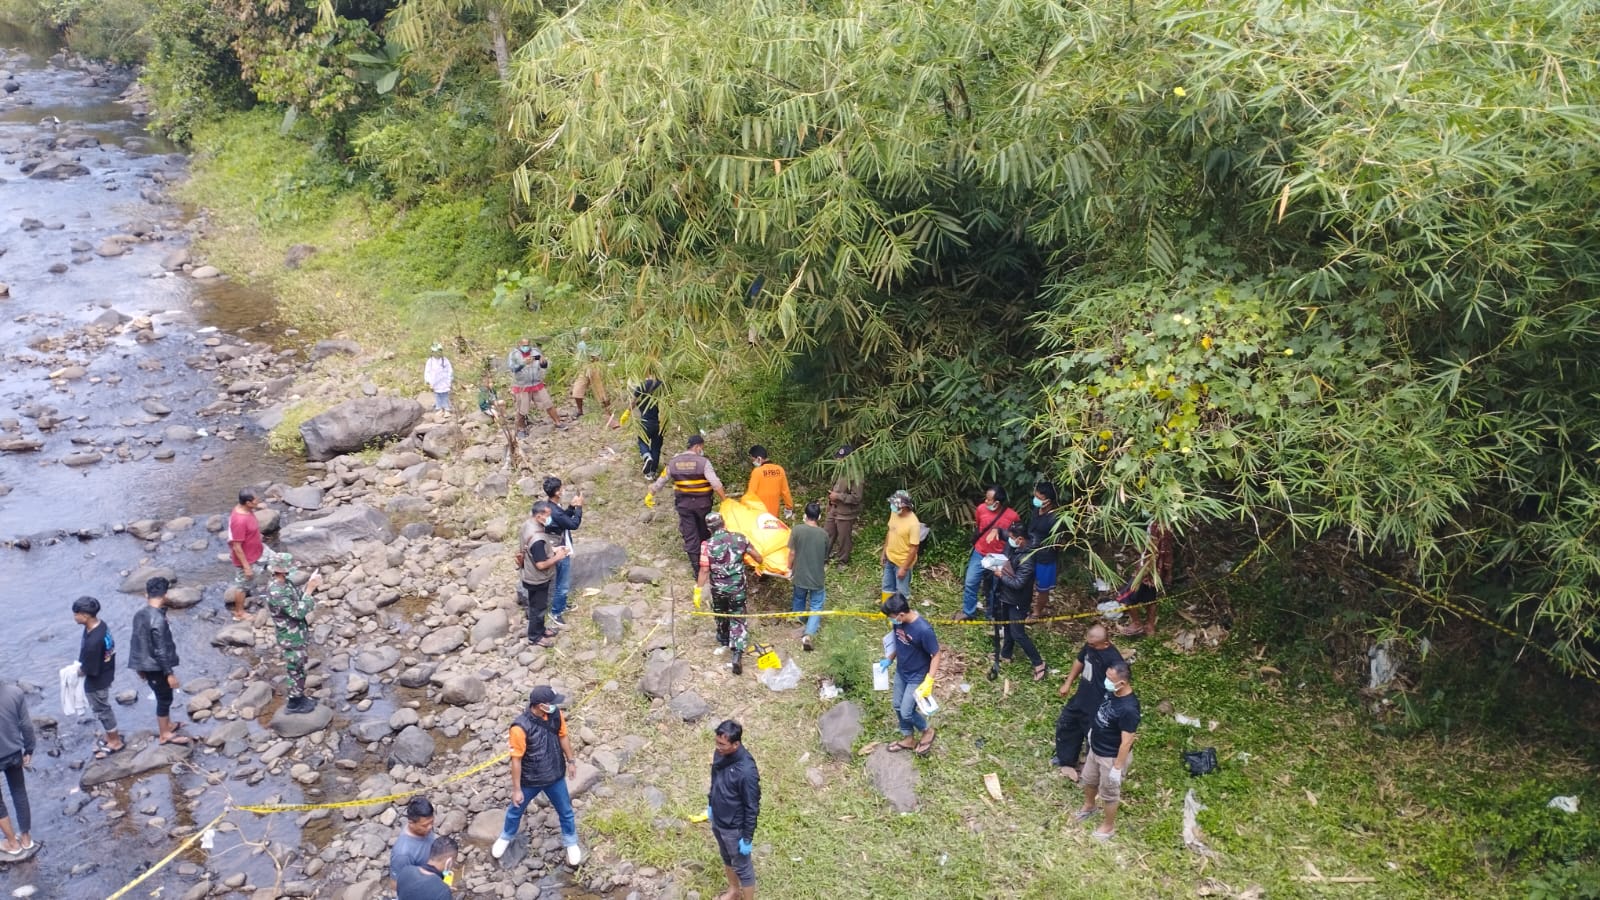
(1055, 762)
(300, 705)
(649, 469)
(738, 662)
(805, 643)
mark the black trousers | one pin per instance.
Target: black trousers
(1016, 633)
(538, 605)
(692, 512)
(18, 786)
(1072, 729)
(158, 686)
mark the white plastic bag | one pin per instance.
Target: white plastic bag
(784, 679)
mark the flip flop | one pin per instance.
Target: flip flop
(1084, 815)
(926, 744)
(899, 747)
(182, 740)
(1040, 671)
(105, 752)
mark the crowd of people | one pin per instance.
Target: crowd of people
(1010, 574)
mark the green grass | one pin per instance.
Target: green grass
(1306, 781)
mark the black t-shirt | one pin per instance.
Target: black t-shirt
(1115, 716)
(97, 656)
(1091, 685)
(644, 397)
(1041, 536)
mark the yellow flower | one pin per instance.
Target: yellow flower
(1206, 342)
(1105, 435)
(1179, 92)
(1288, 351)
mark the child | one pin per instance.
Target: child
(487, 401)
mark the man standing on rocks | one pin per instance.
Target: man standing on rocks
(415, 843)
(431, 879)
(154, 655)
(16, 754)
(1095, 658)
(537, 561)
(528, 367)
(808, 554)
(732, 806)
(245, 549)
(770, 483)
(844, 507)
(1110, 749)
(563, 522)
(916, 657)
(439, 375)
(541, 762)
(722, 567)
(291, 608)
(693, 482)
(97, 663)
(900, 546)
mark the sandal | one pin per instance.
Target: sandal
(546, 641)
(899, 746)
(1040, 671)
(106, 751)
(1069, 773)
(181, 740)
(926, 744)
(1084, 815)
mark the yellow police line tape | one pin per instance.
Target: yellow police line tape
(1465, 612)
(267, 809)
(1089, 614)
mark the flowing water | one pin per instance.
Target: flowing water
(67, 518)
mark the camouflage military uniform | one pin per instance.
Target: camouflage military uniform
(724, 553)
(290, 606)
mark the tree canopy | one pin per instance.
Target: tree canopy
(1201, 261)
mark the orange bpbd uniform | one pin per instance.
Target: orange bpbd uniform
(769, 482)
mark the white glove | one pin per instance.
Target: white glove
(1115, 775)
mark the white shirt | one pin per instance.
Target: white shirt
(438, 374)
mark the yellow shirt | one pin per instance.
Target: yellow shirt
(905, 532)
(769, 482)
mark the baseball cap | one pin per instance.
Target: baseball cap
(544, 693)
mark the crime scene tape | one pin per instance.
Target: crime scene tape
(1467, 613)
(1069, 617)
(182, 846)
(267, 809)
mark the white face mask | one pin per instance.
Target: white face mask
(1014, 542)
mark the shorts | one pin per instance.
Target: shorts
(728, 848)
(1044, 577)
(1096, 774)
(247, 580)
(584, 384)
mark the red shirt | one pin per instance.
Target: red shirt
(244, 529)
(985, 520)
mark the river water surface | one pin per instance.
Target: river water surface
(69, 518)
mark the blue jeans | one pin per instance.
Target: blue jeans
(559, 587)
(556, 793)
(972, 584)
(893, 583)
(441, 400)
(812, 598)
(904, 698)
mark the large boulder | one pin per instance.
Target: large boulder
(595, 562)
(331, 538)
(612, 621)
(689, 706)
(895, 778)
(443, 640)
(443, 440)
(377, 660)
(463, 690)
(663, 675)
(356, 424)
(135, 582)
(54, 167)
(305, 497)
(121, 765)
(293, 725)
(839, 727)
(412, 747)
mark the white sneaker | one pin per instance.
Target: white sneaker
(499, 848)
(574, 855)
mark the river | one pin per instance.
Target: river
(69, 518)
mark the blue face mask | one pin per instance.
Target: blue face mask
(894, 507)
(1111, 687)
(1014, 542)
(1037, 503)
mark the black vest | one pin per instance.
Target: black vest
(544, 762)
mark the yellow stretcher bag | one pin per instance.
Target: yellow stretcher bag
(766, 532)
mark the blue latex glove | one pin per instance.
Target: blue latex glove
(883, 664)
(708, 812)
(744, 847)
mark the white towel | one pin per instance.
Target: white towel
(74, 702)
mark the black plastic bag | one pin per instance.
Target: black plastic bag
(1201, 762)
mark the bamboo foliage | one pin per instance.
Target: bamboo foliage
(1206, 260)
